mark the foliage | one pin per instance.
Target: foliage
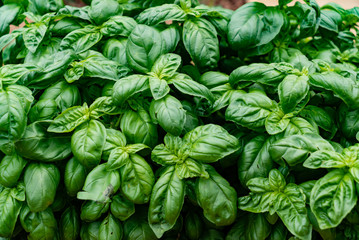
(170, 119)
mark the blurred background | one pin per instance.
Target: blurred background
(234, 4)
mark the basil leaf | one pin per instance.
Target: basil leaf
(166, 202)
(169, 113)
(39, 145)
(141, 54)
(165, 12)
(137, 179)
(122, 208)
(217, 198)
(68, 120)
(11, 167)
(70, 224)
(74, 177)
(41, 181)
(82, 39)
(332, 198)
(201, 42)
(110, 228)
(88, 142)
(210, 142)
(138, 127)
(100, 185)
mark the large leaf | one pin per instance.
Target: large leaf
(166, 202)
(332, 198)
(169, 113)
(210, 142)
(100, 185)
(217, 198)
(40, 145)
(253, 25)
(41, 181)
(10, 206)
(137, 179)
(12, 121)
(165, 12)
(344, 88)
(82, 39)
(144, 46)
(88, 142)
(201, 42)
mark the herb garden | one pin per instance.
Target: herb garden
(161, 119)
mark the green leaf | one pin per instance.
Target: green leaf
(9, 210)
(92, 210)
(100, 185)
(34, 35)
(276, 122)
(217, 198)
(118, 158)
(263, 73)
(255, 160)
(170, 36)
(285, 200)
(115, 50)
(292, 90)
(292, 203)
(118, 26)
(169, 113)
(12, 73)
(201, 42)
(8, 14)
(43, 110)
(166, 65)
(190, 169)
(143, 48)
(165, 12)
(70, 224)
(188, 86)
(138, 127)
(114, 139)
(330, 20)
(332, 198)
(11, 167)
(39, 145)
(74, 176)
(110, 228)
(250, 109)
(97, 66)
(88, 142)
(104, 106)
(325, 159)
(137, 179)
(343, 88)
(82, 39)
(166, 202)
(253, 25)
(101, 10)
(41, 181)
(68, 120)
(64, 94)
(295, 149)
(250, 226)
(12, 121)
(128, 87)
(39, 225)
(209, 143)
(167, 154)
(121, 207)
(159, 87)
(137, 227)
